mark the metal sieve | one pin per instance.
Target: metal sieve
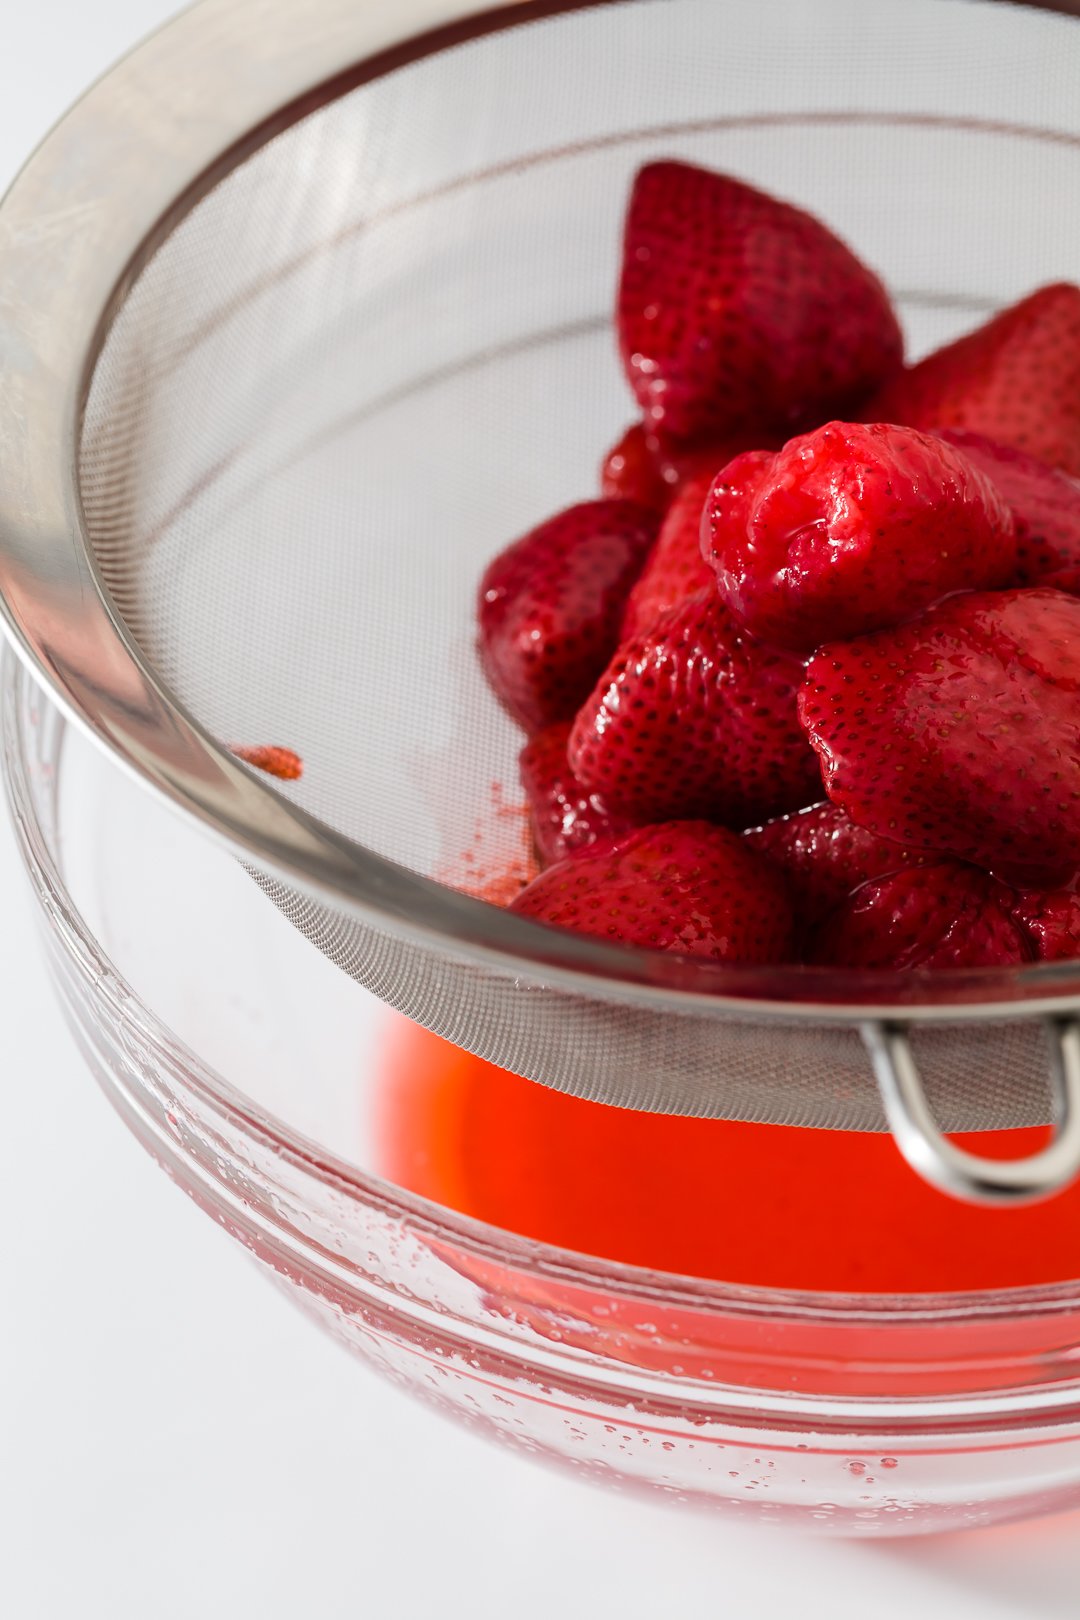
(305, 312)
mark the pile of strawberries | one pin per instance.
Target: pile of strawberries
(804, 685)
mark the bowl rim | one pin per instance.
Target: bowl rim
(59, 612)
(22, 702)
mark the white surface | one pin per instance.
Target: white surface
(175, 1441)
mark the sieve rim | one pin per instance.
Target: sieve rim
(57, 611)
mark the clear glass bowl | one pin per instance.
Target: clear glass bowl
(244, 1062)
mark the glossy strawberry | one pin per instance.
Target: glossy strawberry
(1015, 379)
(631, 472)
(851, 528)
(565, 817)
(946, 915)
(682, 886)
(1064, 579)
(694, 718)
(651, 467)
(679, 460)
(960, 731)
(1045, 503)
(739, 311)
(550, 606)
(1050, 920)
(675, 569)
(824, 856)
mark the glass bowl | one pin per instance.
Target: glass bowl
(245, 1063)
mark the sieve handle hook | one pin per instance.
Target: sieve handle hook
(950, 1168)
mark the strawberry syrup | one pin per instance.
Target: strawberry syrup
(765, 1206)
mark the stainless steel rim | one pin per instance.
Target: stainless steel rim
(74, 229)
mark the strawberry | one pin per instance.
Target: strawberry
(1044, 502)
(738, 311)
(1050, 919)
(851, 528)
(824, 856)
(1015, 379)
(960, 731)
(680, 460)
(565, 817)
(946, 915)
(630, 472)
(695, 718)
(651, 467)
(551, 604)
(683, 886)
(675, 568)
(1064, 579)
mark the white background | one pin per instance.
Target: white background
(175, 1441)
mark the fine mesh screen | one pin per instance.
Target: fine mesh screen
(381, 348)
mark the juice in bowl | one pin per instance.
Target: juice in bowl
(760, 1206)
(769, 1260)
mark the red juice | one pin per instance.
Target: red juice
(761, 1205)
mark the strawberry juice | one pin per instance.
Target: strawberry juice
(761, 1205)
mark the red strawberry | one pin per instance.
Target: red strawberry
(651, 467)
(1044, 502)
(947, 915)
(960, 731)
(675, 568)
(551, 605)
(630, 472)
(852, 528)
(739, 311)
(1066, 579)
(824, 856)
(680, 460)
(1050, 919)
(1016, 379)
(683, 886)
(565, 816)
(694, 718)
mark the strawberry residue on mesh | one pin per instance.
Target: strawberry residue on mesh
(283, 763)
(500, 860)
